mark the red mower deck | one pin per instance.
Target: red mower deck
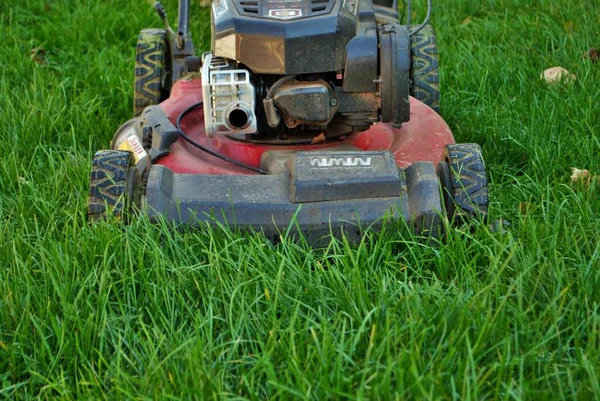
(422, 139)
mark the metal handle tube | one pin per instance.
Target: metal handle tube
(183, 21)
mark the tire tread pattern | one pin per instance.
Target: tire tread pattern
(108, 184)
(425, 79)
(150, 69)
(469, 180)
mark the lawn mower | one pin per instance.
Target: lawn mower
(315, 116)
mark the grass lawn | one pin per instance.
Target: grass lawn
(146, 312)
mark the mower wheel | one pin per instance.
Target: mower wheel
(113, 184)
(151, 84)
(425, 79)
(464, 182)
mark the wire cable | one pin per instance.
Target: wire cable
(207, 150)
(427, 18)
(403, 10)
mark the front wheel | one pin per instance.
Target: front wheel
(114, 185)
(464, 182)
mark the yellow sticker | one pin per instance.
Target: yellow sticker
(132, 143)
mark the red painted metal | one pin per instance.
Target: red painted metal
(421, 139)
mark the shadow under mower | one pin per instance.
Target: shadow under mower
(319, 112)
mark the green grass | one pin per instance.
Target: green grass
(148, 312)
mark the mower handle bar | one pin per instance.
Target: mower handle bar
(183, 23)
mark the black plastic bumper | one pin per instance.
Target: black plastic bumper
(263, 203)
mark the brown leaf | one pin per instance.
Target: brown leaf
(466, 21)
(38, 55)
(578, 175)
(593, 55)
(525, 207)
(583, 176)
(557, 74)
(318, 139)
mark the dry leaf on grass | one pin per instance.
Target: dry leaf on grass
(578, 175)
(318, 139)
(593, 55)
(583, 176)
(525, 207)
(558, 74)
(38, 55)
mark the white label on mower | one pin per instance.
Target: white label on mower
(132, 143)
(340, 162)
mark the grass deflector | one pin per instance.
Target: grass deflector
(319, 111)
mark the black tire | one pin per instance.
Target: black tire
(424, 75)
(152, 59)
(464, 182)
(113, 185)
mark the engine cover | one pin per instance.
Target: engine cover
(283, 37)
(311, 103)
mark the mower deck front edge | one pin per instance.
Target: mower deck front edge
(262, 203)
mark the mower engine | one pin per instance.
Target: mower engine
(285, 68)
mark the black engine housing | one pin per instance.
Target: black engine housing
(360, 61)
(314, 41)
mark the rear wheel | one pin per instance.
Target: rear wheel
(151, 85)
(114, 185)
(425, 79)
(464, 182)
